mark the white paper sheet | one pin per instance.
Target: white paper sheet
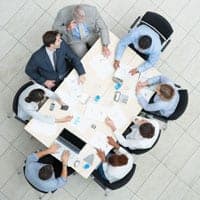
(95, 111)
(100, 141)
(102, 66)
(42, 127)
(117, 115)
(123, 72)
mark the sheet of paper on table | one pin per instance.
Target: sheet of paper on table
(95, 111)
(102, 66)
(40, 127)
(123, 72)
(117, 115)
(100, 141)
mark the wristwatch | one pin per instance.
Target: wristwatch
(64, 165)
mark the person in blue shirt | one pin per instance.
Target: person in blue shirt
(166, 99)
(42, 176)
(144, 40)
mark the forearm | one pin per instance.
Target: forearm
(42, 153)
(64, 172)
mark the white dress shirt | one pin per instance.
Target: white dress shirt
(114, 173)
(26, 110)
(50, 54)
(134, 140)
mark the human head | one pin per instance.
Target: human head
(144, 42)
(52, 39)
(147, 130)
(79, 14)
(45, 172)
(165, 91)
(35, 96)
(117, 160)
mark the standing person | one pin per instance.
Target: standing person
(48, 67)
(146, 42)
(80, 26)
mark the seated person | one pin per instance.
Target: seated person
(115, 166)
(145, 41)
(80, 26)
(166, 99)
(48, 66)
(29, 104)
(42, 176)
(143, 134)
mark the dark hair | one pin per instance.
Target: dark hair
(49, 38)
(35, 95)
(167, 91)
(118, 160)
(144, 42)
(147, 130)
(45, 172)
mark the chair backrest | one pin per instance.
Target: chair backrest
(158, 24)
(182, 105)
(16, 97)
(117, 184)
(31, 184)
(141, 151)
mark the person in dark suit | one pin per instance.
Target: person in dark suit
(48, 66)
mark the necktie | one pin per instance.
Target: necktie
(54, 59)
(81, 30)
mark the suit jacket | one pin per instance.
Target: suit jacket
(93, 20)
(40, 69)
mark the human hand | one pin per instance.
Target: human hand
(112, 142)
(67, 118)
(106, 51)
(71, 25)
(101, 154)
(133, 71)
(116, 64)
(53, 148)
(110, 123)
(65, 157)
(82, 79)
(138, 88)
(50, 83)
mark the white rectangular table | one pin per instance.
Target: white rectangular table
(88, 122)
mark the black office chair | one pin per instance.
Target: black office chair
(141, 151)
(157, 23)
(106, 185)
(16, 100)
(180, 109)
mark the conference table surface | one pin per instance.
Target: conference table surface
(91, 102)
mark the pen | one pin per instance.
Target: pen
(139, 76)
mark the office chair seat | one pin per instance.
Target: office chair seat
(115, 185)
(16, 100)
(157, 23)
(141, 151)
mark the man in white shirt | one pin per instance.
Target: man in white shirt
(142, 136)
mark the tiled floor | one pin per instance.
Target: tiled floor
(171, 170)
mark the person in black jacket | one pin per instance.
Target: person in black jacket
(48, 66)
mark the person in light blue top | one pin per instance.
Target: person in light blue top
(166, 99)
(145, 41)
(42, 176)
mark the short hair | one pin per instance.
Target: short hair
(147, 130)
(49, 38)
(45, 172)
(78, 12)
(118, 160)
(145, 42)
(35, 95)
(167, 91)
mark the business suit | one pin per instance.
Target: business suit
(40, 68)
(93, 21)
